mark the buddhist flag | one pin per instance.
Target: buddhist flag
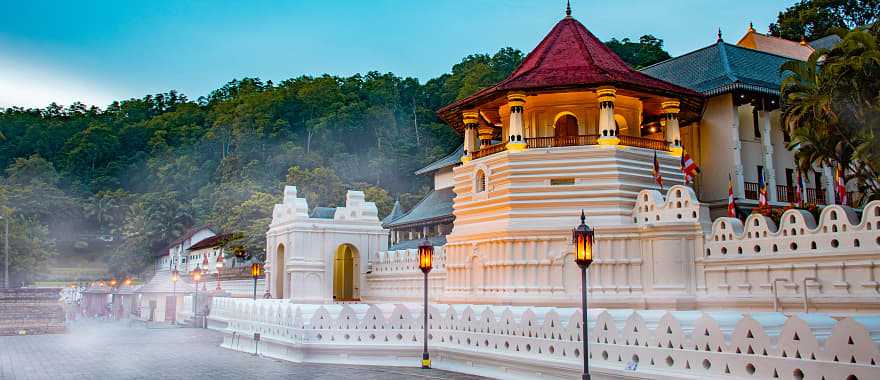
(762, 190)
(689, 168)
(840, 185)
(731, 203)
(800, 197)
(656, 171)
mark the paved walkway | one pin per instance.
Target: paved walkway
(113, 350)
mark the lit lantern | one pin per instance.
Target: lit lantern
(196, 275)
(583, 243)
(256, 273)
(257, 269)
(127, 282)
(426, 256)
(175, 275)
(113, 282)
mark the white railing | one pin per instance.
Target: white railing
(520, 342)
(395, 276)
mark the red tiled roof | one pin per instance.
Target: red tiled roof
(571, 56)
(213, 241)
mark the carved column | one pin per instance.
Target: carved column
(735, 148)
(767, 143)
(607, 126)
(516, 134)
(673, 134)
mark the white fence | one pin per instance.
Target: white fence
(395, 276)
(521, 342)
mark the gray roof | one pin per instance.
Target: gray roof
(452, 159)
(415, 243)
(722, 67)
(323, 213)
(435, 206)
(827, 42)
(395, 213)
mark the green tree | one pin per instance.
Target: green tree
(814, 19)
(833, 109)
(646, 52)
(320, 186)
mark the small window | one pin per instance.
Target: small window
(480, 182)
(561, 181)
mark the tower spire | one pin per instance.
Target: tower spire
(568, 8)
(751, 27)
(719, 35)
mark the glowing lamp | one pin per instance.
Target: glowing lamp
(583, 243)
(127, 282)
(113, 282)
(426, 256)
(196, 274)
(175, 275)
(256, 269)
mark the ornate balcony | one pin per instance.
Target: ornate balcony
(578, 140)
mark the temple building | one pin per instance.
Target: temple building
(676, 289)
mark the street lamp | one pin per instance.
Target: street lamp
(219, 265)
(113, 283)
(196, 275)
(6, 251)
(175, 276)
(426, 262)
(583, 244)
(256, 272)
(205, 265)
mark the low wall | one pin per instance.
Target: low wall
(31, 311)
(529, 343)
(394, 276)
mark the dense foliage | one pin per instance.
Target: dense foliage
(832, 104)
(646, 52)
(814, 19)
(126, 180)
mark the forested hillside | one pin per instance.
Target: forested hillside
(117, 184)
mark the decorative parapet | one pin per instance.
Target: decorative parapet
(679, 206)
(838, 231)
(357, 208)
(405, 261)
(292, 207)
(523, 342)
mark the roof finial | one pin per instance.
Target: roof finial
(751, 27)
(568, 8)
(803, 40)
(719, 35)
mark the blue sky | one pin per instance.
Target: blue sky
(97, 51)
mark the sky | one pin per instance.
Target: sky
(99, 51)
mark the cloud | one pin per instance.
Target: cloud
(25, 83)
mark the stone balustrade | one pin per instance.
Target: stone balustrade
(395, 276)
(545, 342)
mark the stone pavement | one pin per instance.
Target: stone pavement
(115, 350)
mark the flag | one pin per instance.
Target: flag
(762, 190)
(689, 168)
(656, 171)
(800, 190)
(840, 185)
(731, 203)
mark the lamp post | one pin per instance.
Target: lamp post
(256, 272)
(582, 236)
(5, 251)
(196, 275)
(175, 276)
(426, 262)
(205, 265)
(219, 266)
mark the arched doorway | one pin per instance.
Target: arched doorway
(565, 130)
(278, 275)
(344, 273)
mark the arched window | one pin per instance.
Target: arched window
(480, 182)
